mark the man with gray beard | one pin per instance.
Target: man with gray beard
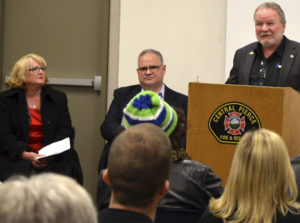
(271, 61)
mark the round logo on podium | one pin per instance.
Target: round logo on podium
(229, 122)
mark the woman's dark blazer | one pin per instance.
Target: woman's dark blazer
(14, 133)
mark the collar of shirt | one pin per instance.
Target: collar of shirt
(279, 51)
(162, 92)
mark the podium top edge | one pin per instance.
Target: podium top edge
(241, 86)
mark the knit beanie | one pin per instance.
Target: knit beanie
(148, 107)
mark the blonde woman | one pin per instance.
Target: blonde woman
(261, 186)
(33, 115)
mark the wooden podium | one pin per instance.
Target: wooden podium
(218, 115)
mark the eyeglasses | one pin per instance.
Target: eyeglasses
(33, 69)
(151, 68)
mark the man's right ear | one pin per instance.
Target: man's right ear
(165, 188)
(105, 177)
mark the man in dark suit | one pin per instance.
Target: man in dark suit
(151, 71)
(271, 61)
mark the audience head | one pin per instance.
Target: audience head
(180, 129)
(20, 69)
(48, 198)
(147, 107)
(261, 180)
(139, 179)
(270, 24)
(151, 70)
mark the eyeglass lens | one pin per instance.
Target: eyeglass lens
(151, 68)
(33, 69)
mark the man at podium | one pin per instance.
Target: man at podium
(271, 61)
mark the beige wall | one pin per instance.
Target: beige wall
(189, 33)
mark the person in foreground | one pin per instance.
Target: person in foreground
(151, 71)
(261, 185)
(274, 59)
(139, 180)
(45, 198)
(33, 115)
(192, 183)
(295, 162)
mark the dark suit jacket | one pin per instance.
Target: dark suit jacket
(14, 132)
(112, 123)
(289, 74)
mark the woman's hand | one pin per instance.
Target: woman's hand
(37, 163)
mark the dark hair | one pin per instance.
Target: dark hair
(178, 153)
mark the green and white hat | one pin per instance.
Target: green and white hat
(147, 107)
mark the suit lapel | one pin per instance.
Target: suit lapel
(134, 92)
(247, 66)
(23, 115)
(168, 95)
(287, 61)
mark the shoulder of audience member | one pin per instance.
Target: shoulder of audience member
(295, 159)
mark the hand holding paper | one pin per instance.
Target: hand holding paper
(55, 148)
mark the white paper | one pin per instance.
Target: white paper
(55, 148)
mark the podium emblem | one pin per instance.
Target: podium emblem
(229, 122)
(234, 123)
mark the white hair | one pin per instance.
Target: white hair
(45, 198)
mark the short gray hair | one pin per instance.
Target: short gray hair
(47, 198)
(274, 6)
(157, 53)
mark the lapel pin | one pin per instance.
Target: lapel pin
(292, 56)
(251, 52)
